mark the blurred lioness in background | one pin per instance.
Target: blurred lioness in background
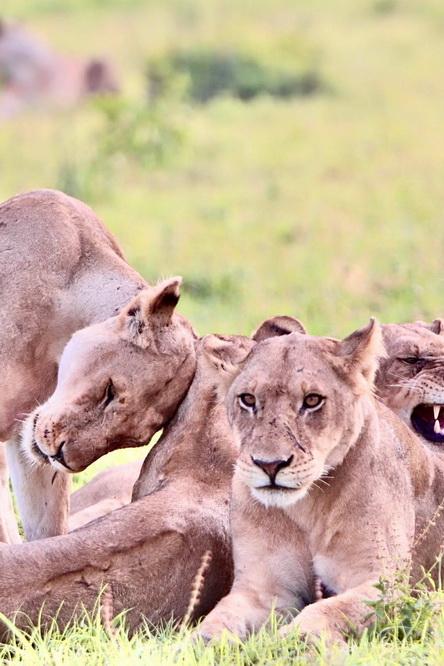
(33, 74)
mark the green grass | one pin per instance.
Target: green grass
(327, 207)
(88, 644)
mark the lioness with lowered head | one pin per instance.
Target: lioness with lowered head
(147, 553)
(77, 322)
(303, 408)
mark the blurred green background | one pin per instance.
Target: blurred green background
(284, 156)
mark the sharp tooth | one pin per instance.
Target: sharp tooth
(437, 427)
(436, 410)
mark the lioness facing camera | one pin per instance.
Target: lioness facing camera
(303, 408)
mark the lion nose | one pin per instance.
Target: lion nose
(272, 467)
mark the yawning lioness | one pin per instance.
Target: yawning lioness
(410, 378)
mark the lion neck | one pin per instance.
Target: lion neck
(197, 444)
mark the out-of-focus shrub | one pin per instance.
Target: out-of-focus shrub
(129, 134)
(210, 73)
(384, 6)
(145, 135)
(222, 287)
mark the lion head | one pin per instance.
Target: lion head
(410, 380)
(119, 381)
(297, 406)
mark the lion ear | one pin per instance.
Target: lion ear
(360, 352)
(225, 353)
(151, 308)
(276, 326)
(437, 326)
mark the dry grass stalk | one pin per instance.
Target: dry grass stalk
(430, 523)
(107, 611)
(197, 587)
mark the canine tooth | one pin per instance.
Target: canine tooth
(437, 427)
(436, 410)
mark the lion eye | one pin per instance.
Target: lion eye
(312, 400)
(110, 394)
(247, 401)
(411, 360)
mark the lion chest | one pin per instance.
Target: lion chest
(329, 571)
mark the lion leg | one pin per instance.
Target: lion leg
(8, 523)
(42, 494)
(147, 554)
(333, 618)
(270, 574)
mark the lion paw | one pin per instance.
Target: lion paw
(313, 624)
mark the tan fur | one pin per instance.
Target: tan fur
(147, 554)
(354, 487)
(412, 373)
(78, 323)
(8, 525)
(109, 490)
(33, 74)
(112, 488)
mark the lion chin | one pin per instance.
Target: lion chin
(278, 496)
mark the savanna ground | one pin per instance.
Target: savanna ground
(324, 202)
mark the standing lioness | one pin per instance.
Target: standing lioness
(303, 408)
(115, 382)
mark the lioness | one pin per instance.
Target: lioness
(148, 553)
(77, 319)
(328, 483)
(410, 378)
(113, 488)
(32, 73)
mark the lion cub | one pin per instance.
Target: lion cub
(328, 483)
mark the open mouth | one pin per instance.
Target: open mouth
(428, 421)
